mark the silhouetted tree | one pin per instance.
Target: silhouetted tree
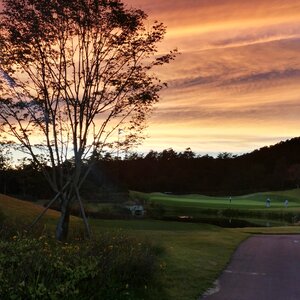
(5, 165)
(73, 71)
(187, 154)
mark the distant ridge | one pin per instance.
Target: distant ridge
(290, 148)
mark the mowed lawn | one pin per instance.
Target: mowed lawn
(193, 255)
(255, 201)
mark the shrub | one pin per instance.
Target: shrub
(109, 267)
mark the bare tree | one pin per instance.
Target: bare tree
(72, 73)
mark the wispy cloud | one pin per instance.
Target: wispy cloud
(265, 76)
(267, 112)
(238, 75)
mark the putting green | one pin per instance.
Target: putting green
(251, 201)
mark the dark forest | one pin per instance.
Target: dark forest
(275, 167)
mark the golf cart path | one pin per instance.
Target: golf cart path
(264, 267)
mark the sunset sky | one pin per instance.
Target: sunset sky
(236, 85)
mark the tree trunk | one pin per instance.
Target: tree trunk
(62, 228)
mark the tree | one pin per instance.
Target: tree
(73, 72)
(225, 155)
(187, 154)
(5, 166)
(5, 157)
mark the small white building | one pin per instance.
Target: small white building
(136, 209)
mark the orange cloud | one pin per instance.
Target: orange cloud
(236, 85)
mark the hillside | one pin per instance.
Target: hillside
(23, 213)
(274, 167)
(287, 151)
(12, 207)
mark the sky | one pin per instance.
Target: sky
(236, 85)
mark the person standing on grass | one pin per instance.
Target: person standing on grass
(268, 202)
(286, 203)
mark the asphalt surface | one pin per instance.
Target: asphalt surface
(264, 267)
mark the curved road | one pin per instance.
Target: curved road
(264, 267)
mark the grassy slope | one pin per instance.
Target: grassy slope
(195, 253)
(25, 212)
(15, 208)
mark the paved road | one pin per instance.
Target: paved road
(264, 267)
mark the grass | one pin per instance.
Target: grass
(252, 201)
(19, 211)
(249, 208)
(15, 208)
(195, 253)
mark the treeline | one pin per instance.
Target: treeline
(269, 168)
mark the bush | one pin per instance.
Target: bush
(2, 217)
(109, 267)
